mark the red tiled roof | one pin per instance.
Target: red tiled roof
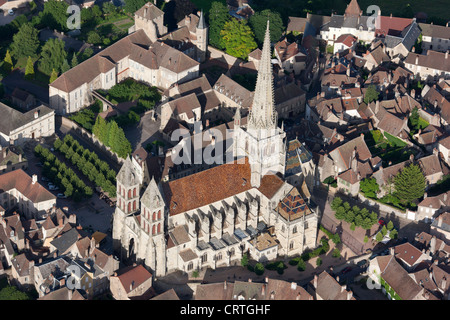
(132, 277)
(21, 181)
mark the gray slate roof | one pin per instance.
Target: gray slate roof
(13, 119)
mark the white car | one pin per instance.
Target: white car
(61, 196)
(11, 12)
(53, 188)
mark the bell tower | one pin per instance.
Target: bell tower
(202, 38)
(262, 141)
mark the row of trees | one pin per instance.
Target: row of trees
(62, 176)
(96, 170)
(355, 216)
(112, 136)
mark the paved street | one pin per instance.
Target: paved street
(145, 132)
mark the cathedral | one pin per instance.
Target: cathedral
(213, 217)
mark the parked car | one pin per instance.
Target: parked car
(382, 222)
(61, 196)
(11, 12)
(53, 188)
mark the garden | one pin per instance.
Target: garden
(389, 148)
(88, 163)
(62, 176)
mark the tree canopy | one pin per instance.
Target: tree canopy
(258, 22)
(25, 41)
(238, 38)
(132, 6)
(369, 187)
(410, 183)
(53, 56)
(371, 94)
(218, 16)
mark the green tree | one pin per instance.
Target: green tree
(353, 226)
(371, 94)
(340, 213)
(414, 119)
(7, 62)
(74, 61)
(12, 293)
(379, 237)
(55, 15)
(393, 234)
(390, 225)
(366, 239)
(244, 260)
(258, 22)
(132, 6)
(410, 183)
(259, 268)
(301, 266)
(94, 38)
(349, 216)
(65, 66)
(369, 187)
(336, 203)
(53, 76)
(319, 261)
(53, 55)
(238, 38)
(336, 253)
(384, 231)
(218, 16)
(25, 41)
(29, 69)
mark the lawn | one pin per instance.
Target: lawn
(388, 147)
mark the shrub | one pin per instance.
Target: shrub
(301, 265)
(294, 261)
(336, 253)
(318, 261)
(259, 268)
(244, 260)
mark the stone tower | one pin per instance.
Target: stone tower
(151, 19)
(128, 186)
(262, 141)
(202, 38)
(153, 218)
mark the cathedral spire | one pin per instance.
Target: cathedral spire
(201, 21)
(262, 114)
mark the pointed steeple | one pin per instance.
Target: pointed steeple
(201, 21)
(262, 114)
(353, 9)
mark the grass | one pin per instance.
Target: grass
(388, 147)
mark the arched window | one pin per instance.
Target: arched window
(129, 206)
(159, 214)
(129, 194)
(134, 205)
(120, 189)
(291, 245)
(159, 227)
(134, 192)
(153, 229)
(154, 216)
(190, 266)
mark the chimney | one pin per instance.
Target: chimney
(443, 283)
(40, 260)
(249, 279)
(20, 157)
(266, 279)
(33, 179)
(4, 151)
(337, 279)
(62, 282)
(70, 292)
(298, 296)
(55, 254)
(349, 295)
(293, 285)
(446, 54)
(417, 60)
(36, 114)
(315, 281)
(391, 251)
(225, 285)
(263, 290)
